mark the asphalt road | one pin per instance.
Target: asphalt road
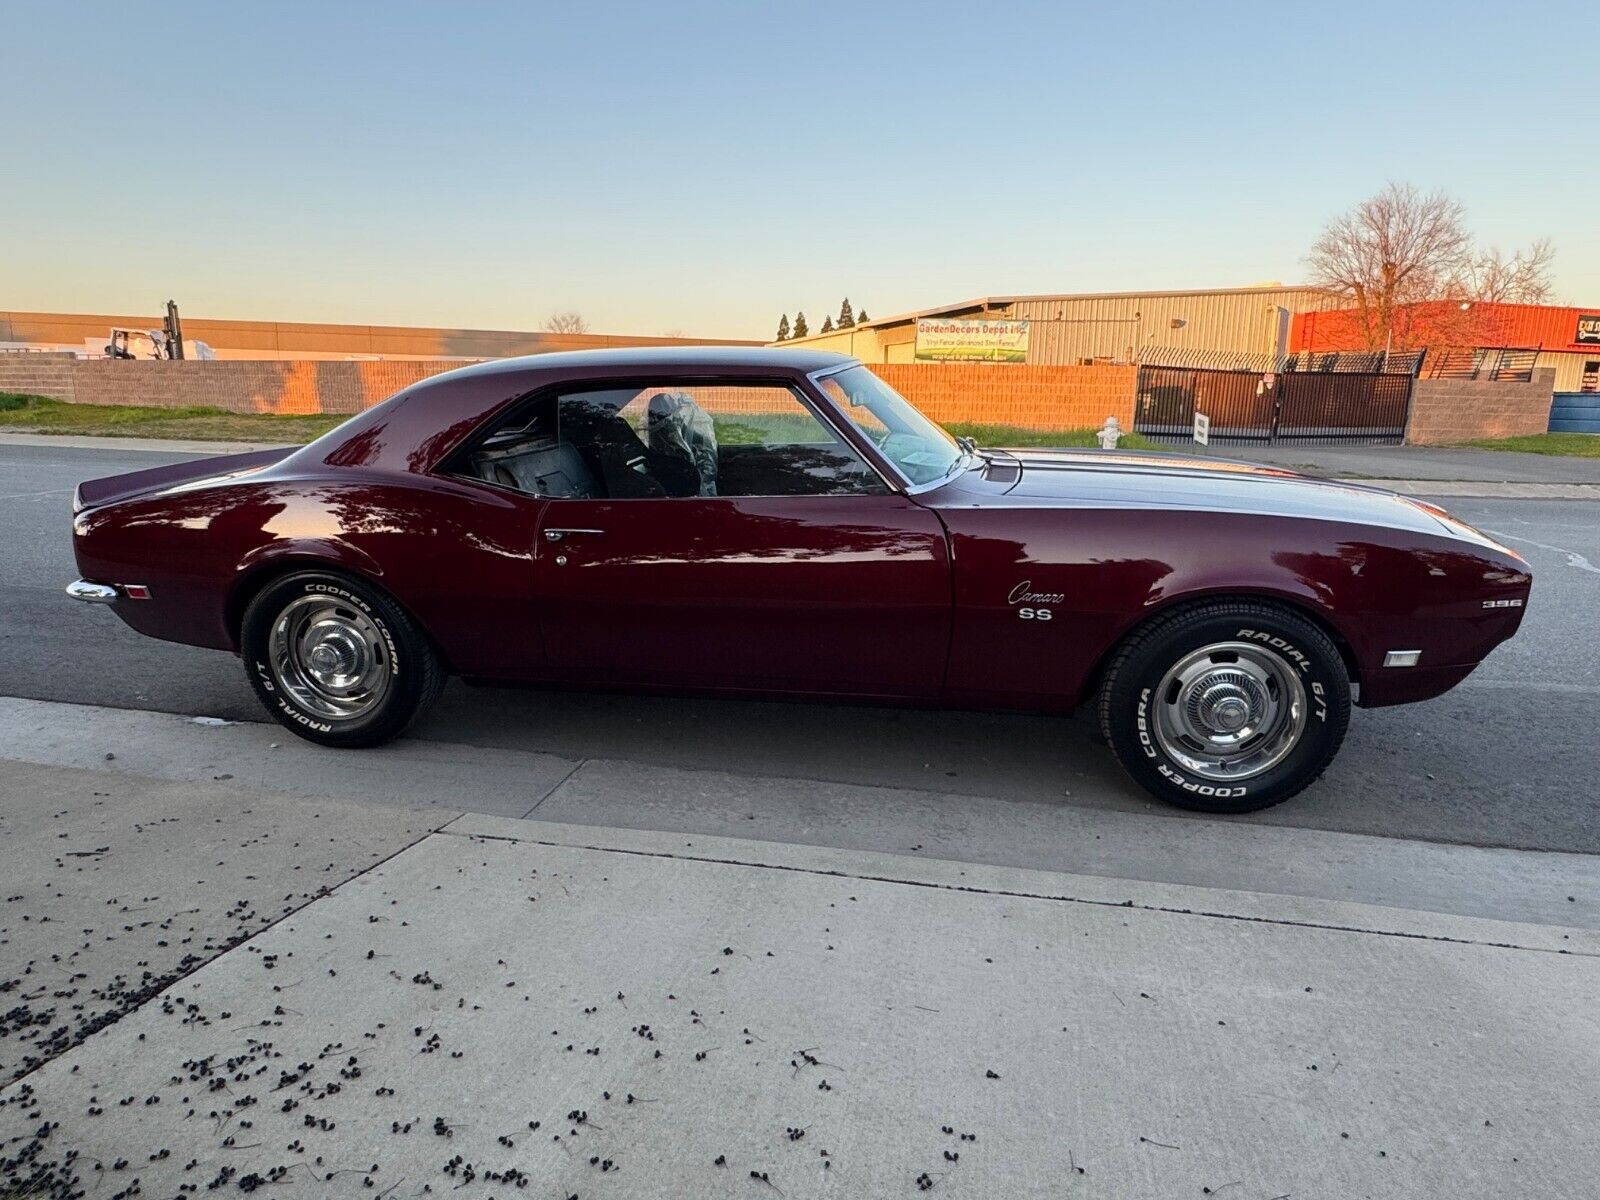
(1508, 759)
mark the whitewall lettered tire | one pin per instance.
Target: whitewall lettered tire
(1226, 707)
(336, 660)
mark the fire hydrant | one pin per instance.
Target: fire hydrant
(1109, 433)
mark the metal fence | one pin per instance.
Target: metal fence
(1506, 363)
(1367, 362)
(1339, 406)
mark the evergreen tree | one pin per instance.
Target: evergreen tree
(846, 317)
(783, 329)
(800, 326)
(862, 318)
(827, 325)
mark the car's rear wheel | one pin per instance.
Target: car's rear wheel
(336, 660)
(1226, 707)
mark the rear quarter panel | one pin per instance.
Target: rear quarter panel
(456, 557)
(1102, 572)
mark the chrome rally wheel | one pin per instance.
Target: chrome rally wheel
(1230, 711)
(330, 657)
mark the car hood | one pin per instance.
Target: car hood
(1064, 478)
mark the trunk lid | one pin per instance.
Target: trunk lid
(92, 493)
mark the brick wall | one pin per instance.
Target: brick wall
(1460, 410)
(300, 386)
(1033, 397)
(38, 374)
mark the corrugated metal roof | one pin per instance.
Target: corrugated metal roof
(983, 303)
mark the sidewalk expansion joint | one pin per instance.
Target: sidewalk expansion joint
(1014, 894)
(559, 784)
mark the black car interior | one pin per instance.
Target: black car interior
(579, 446)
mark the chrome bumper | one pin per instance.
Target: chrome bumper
(92, 593)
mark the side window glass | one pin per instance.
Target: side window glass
(753, 440)
(672, 441)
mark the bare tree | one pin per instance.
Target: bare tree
(566, 322)
(1392, 250)
(1519, 278)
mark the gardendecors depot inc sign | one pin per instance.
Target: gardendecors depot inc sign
(941, 340)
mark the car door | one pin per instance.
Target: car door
(784, 564)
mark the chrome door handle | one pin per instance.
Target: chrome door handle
(555, 535)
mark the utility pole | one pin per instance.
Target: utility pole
(174, 329)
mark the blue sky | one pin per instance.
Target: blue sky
(705, 166)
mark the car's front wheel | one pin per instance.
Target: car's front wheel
(336, 660)
(1226, 707)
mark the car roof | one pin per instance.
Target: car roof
(414, 429)
(677, 359)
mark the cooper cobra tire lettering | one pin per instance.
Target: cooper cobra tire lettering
(1201, 789)
(1143, 722)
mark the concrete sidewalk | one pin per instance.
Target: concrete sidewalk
(628, 1013)
(1419, 463)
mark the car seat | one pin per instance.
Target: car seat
(683, 438)
(610, 448)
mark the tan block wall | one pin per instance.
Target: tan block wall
(38, 374)
(1461, 410)
(274, 387)
(1026, 396)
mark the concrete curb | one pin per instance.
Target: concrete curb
(1046, 885)
(1486, 489)
(1091, 837)
(196, 449)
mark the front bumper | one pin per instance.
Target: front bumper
(93, 593)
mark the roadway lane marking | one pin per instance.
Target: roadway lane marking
(1574, 559)
(34, 495)
(1534, 685)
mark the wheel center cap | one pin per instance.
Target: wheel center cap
(1230, 714)
(326, 658)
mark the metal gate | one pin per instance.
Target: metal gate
(1329, 399)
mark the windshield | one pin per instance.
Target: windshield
(921, 450)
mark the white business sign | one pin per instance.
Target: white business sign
(1202, 429)
(940, 340)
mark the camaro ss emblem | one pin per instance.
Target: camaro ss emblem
(1030, 600)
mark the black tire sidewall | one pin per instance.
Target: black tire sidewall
(1303, 647)
(404, 645)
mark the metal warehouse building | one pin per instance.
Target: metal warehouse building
(1106, 326)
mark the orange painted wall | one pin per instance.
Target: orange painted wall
(1545, 326)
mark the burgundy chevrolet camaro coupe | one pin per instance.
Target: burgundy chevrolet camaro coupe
(781, 522)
